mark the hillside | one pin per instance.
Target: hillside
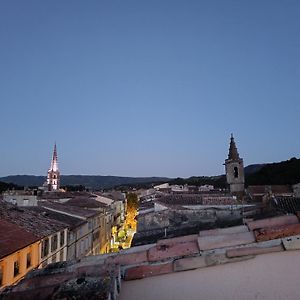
(100, 182)
(285, 172)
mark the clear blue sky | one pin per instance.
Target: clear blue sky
(147, 88)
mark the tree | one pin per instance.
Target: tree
(132, 206)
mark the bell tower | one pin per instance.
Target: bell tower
(53, 177)
(234, 168)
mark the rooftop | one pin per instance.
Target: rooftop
(197, 199)
(85, 202)
(73, 211)
(70, 221)
(31, 221)
(203, 251)
(9, 245)
(275, 189)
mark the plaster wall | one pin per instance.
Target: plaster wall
(271, 276)
(7, 264)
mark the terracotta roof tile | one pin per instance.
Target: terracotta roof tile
(256, 248)
(226, 240)
(222, 231)
(221, 246)
(166, 251)
(8, 244)
(178, 240)
(265, 234)
(30, 220)
(143, 271)
(271, 222)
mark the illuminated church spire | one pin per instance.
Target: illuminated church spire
(54, 166)
(53, 177)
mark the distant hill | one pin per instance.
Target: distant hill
(91, 181)
(285, 172)
(253, 169)
(216, 181)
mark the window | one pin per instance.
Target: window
(89, 225)
(45, 247)
(236, 172)
(1, 275)
(28, 260)
(16, 268)
(61, 255)
(54, 242)
(62, 238)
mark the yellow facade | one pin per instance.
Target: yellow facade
(15, 266)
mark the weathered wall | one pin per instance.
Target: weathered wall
(172, 223)
(168, 218)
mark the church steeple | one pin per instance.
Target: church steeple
(54, 165)
(233, 153)
(53, 177)
(234, 168)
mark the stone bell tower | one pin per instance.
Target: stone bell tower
(234, 168)
(53, 177)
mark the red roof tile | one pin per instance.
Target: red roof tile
(271, 222)
(140, 272)
(265, 234)
(165, 251)
(226, 240)
(13, 238)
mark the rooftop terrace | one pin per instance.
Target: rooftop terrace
(170, 266)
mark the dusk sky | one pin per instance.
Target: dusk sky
(147, 88)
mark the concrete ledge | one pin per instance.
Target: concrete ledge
(227, 240)
(222, 231)
(189, 263)
(252, 251)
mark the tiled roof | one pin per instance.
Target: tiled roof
(70, 221)
(181, 199)
(287, 204)
(64, 195)
(206, 249)
(85, 202)
(31, 221)
(10, 245)
(197, 199)
(69, 209)
(275, 189)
